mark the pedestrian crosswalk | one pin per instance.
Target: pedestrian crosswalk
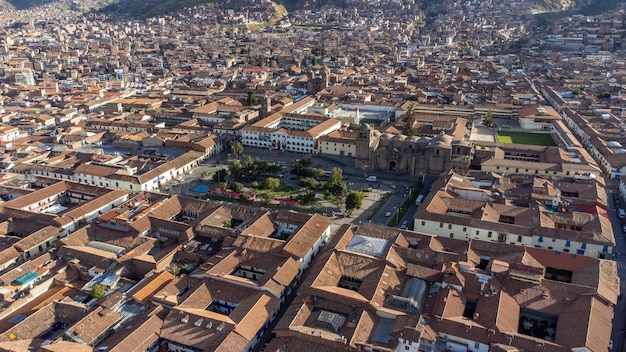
(621, 265)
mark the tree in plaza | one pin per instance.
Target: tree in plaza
(266, 196)
(272, 183)
(336, 185)
(236, 148)
(307, 197)
(235, 169)
(309, 183)
(354, 200)
(220, 175)
(237, 187)
(336, 176)
(244, 198)
(300, 166)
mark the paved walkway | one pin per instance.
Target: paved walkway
(482, 134)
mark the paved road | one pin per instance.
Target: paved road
(619, 320)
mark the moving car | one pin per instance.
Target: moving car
(388, 214)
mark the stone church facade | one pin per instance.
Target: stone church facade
(409, 155)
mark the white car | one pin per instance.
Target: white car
(388, 214)
(174, 183)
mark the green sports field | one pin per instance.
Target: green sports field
(524, 138)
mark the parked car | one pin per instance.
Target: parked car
(405, 225)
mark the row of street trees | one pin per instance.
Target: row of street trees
(332, 184)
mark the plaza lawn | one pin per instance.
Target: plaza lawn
(524, 138)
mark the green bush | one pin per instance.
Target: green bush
(237, 187)
(98, 290)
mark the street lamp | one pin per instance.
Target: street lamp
(280, 184)
(397, 214)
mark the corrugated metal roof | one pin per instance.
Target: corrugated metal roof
(111, 248)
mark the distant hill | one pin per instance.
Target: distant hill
(5, 5)
(24, 4)
(550, 10)
(79, 5)
(584, 7)
(547, 10)
(562, 5)
(152, 8)
(293, 5)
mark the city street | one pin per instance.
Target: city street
(619, 320)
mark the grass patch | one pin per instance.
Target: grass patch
(287, 189)
(255, 27)
(308, 28)
(509, 137)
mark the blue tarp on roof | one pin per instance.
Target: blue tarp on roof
(27, 278)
